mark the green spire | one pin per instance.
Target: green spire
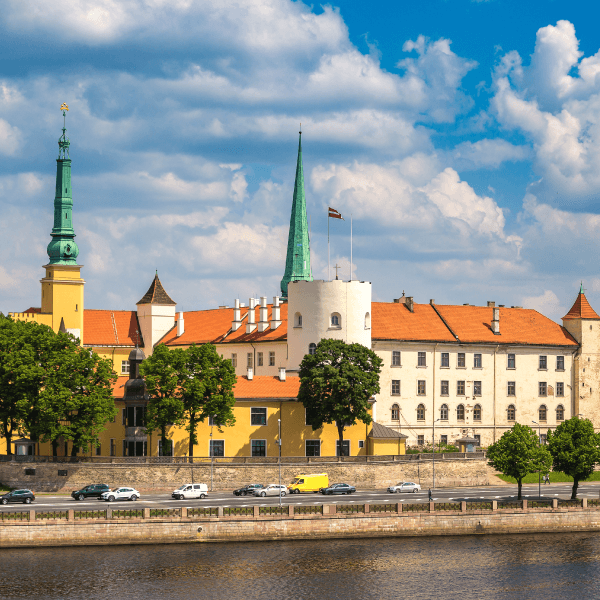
(63, 250)
(297, 263)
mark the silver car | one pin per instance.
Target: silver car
(271, 490)
(120, 493)
(404, 486)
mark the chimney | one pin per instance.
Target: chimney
(250, 374)
(496, 321)
(263, 324)
(237, 321)
(432, 301)
(490, 303)
(180, 325)
(275, 317)
(409, 304)
(251, 324)
(281, 373)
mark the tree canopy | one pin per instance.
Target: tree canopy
(336, 384)
(575, 449)
(519, 452)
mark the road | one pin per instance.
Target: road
(163, 500)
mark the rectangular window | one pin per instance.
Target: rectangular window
(259, 359)
(167, 450)
(460, 361)
(560, 363)
(421, 387)
(421, 360)
(477, 388)
(217, 447)
(98, 450)
(396, 358)
(543, 388)
(234, 360)
(444, 387)
(249, 360)
(113, 447)
(445, 360)
(395, 387)
(258, 416)
(361, 444)
(421, 440)
(460, 388)
(345, 448)
(259, 447)
(560, 388)
(313, 447)
(125, 367)
(444, 440)
(271, 359)
(477, 361)
(510, 390)
(543, 363)
(510, 361)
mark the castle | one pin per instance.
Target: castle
(452, 374)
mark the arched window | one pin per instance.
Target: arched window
(542, 412)
(477, 412)
(511, 412)
(312, 348)
(444, 412)
(560, 413)
(368, 321)
(395, 412)
(421, 412)
(297, 320)
(460, 412)
(336, 320)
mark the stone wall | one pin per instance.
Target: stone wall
(165, 477)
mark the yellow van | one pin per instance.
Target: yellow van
(308, 483)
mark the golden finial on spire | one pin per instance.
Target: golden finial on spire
(64, 106)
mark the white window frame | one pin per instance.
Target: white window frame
(271, 358)
(125, 367)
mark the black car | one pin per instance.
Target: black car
(90, 491)
(338, 488)
(24, 496)
(248, 490)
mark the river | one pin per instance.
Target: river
(545, 566)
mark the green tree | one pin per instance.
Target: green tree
(163, 373)
(336, 384)
(575, 449)
(519, 452)
(207, 382)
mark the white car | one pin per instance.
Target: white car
(404, 486)
(271, 490)
(190, 490)
(120, 493)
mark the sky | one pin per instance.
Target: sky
(462, 136)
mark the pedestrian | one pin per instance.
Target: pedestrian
(430, 495)
(547, 479)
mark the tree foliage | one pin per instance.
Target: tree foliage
(575, 449)
(336, 384)
(519, 452)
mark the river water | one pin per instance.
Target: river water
(545, 566)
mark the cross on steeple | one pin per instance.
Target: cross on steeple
(336, 270)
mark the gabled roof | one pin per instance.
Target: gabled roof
(111, 328)
(383, 432)
(119, 387)
(581, 309)
(265, 387)
(156, 294)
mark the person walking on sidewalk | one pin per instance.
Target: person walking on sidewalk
(430, 495)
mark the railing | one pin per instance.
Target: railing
(203, 512)
(273, 510)
(479, 506)
(165, 512)
(415, 507)
(128, 513)
(51, 514)
(383, 508)
(510, 505)
(446, 506)
(21, 515)
(89, 514)
(347, 509)
(238, 511)
(571, 503)
(309, 509)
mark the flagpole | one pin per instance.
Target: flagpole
(328, 252)
(350, 246)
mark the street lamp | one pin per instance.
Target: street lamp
(434, 452)
(279, 444)
(539, 472)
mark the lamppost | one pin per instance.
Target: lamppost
(539, 472)
(434, 452)
(212, 454)
(279, 444)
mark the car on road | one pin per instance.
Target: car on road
(190, 490)
(271, 490)
(120, 493)
(404, 486)
(248, 489)
(24, 496)
(338, 488)
(90, 491)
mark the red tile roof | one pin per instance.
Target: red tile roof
(263, 387)
(119, 387)
(32, 310)
(524, 326)
(110, 328)
(581, 309)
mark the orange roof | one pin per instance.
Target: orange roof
(110, 328)
(581, 309)
(119, 387)
(393, 321)
(263, 386)
(32, 310)
(473, 324)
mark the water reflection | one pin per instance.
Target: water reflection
(492, 567)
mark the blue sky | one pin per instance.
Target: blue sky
(463, 137)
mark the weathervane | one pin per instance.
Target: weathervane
(63, 142)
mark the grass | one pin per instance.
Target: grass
(555, 477)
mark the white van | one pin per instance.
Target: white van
(190, 490)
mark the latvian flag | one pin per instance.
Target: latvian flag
(334, 214)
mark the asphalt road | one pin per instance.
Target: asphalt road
(164, 500)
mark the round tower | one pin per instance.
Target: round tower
(336, 309)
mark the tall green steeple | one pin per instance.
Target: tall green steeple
(63, 250)
(297, 263)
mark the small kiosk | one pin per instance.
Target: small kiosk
(467, 444)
